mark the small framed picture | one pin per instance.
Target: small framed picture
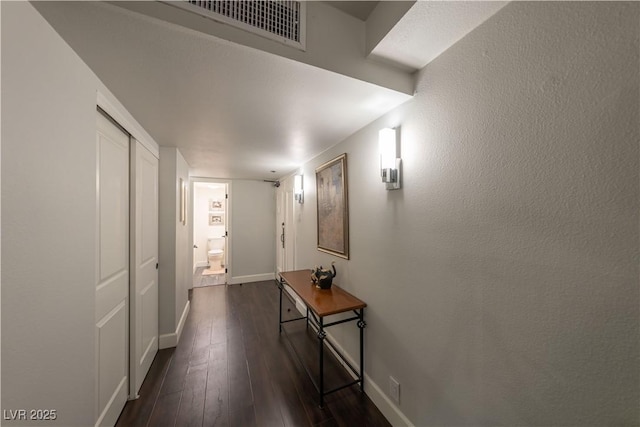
(215, 205)
(215, 219)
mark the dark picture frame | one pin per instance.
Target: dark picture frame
(333, 207)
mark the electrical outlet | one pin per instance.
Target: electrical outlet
(394, 389)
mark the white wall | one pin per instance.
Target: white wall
(502, 279)
(49, 156)
(47, 302)
(253, 211)
(184, 271)
(168, 216)
(175, 272)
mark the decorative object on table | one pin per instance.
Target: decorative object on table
(323, 278)
(333, 210)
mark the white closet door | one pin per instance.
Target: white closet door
(112, 281)
(144, 287)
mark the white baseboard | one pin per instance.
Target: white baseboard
(172, 339)
(200, 264)
(183, 320)
(389, 409)
(252, 278)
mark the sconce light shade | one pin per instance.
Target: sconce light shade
(298, 190)
(389, 160)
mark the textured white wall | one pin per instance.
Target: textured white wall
(49, 157)
(49, 220)
(184, 267)
(175, 273)
(502, 280)
(168, 216)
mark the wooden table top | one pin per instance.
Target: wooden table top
(323, 302)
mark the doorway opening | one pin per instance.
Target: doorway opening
(211, 260)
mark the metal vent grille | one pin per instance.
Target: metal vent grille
(281, 20)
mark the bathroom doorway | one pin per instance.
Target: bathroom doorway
(211, 260)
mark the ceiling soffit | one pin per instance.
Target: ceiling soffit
(233, 111)
(429, 28)
(335, 41)
(357, 9)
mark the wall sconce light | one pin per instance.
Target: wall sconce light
(298, 190)
(389, 160)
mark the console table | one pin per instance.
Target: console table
(321, 303)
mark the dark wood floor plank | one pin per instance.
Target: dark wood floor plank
(191, 411)
(175, 377)
(272, 355)
(266, 402)
(199, 356)
(203, 334)
(183, 351)
(241, 403)
(165, 411)
(137, 412)
(333, 423)
(300, 382)
(216, 406)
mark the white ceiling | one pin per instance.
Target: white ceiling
(431, 27)
(235, 111)
(358, 9)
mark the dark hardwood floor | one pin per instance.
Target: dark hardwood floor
(233, 368)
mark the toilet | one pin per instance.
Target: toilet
(215, 252)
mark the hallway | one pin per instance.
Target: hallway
(231, 368)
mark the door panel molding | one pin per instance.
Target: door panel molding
(110, 293)
(112, 272)
(144, 258)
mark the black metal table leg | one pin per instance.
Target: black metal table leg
(321, 335)
(361, 324)
(280, 285)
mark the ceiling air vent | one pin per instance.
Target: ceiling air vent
(280, 20)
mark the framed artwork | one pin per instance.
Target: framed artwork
(333, 207)
(215, 205)
(216, 219)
